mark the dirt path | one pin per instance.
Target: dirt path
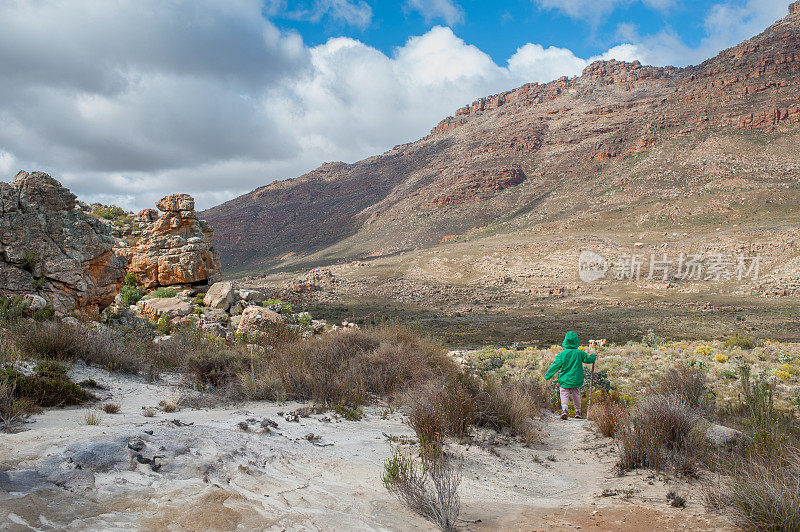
(220, 469)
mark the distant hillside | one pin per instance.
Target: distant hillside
(623, 145)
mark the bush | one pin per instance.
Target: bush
(130, 295)
(214, 368)
(768, 429)
(688, 383)
(12, 407)
(429, 488)
(50, 389)
(607, 416)
(111, 408)
(511, 405)
(162, 292)
(164, 326)
(745, 342)
(12, 309)
(761, 494)
(112, 350)
(658, 431)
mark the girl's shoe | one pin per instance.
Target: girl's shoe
(564, 415)
(578, 415)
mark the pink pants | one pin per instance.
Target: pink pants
(575, 394)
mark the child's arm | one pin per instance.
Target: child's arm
(554, 367)
(592, 356)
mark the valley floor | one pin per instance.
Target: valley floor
(220, 469)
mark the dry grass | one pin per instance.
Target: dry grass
(111, 408)
(660, 430)
(687, 383)
(92, 417)
(428, 487)
(607, 416)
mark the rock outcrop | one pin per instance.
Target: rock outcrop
(173, 249)
(52, 250)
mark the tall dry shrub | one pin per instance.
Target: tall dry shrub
(659, 431)
(688, 383)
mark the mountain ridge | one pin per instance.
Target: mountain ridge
(607, 140)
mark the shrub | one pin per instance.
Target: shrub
(650, 339)
(214, 368)
(510, 404)
(111, 408)
(12, 407)
(768, 428)
(93, 417)
(607, 416)
(762, 494)
(429, 488)
(162, 292)
(12, 309)
(129, 295)
(703, 350)
(744, 342)
(29, 262)
(687, 383)
(163, 325)
(51, 389)
(719, 357)
(658, 431)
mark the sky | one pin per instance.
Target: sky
(126, 101)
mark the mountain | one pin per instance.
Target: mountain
(621, 149)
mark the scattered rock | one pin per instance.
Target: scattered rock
(254, 319)
(220, 296)
(722, 436)
(171, 307)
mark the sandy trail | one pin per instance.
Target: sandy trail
(213, 475)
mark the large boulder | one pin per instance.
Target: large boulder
(255, 318)
(50, 249)
(173, 249)
(220, 296)
(172, 307)
(722, 436)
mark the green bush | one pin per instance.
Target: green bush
(130, 295)
(164, 326)
(130, 279)
(744, 342)
(12, 309)
(111, 212)
(29, 261)
(48, 389)
(162, 292)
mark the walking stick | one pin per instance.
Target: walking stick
(591, 385)
(593, 345)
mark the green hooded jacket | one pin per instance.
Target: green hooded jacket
(570, 363)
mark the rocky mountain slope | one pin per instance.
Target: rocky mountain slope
(620, 149)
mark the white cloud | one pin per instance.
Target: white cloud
(726, 24)
(596, 11)
(351, 12)
(446, 10)
(134, 99)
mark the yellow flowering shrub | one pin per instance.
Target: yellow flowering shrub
(790, 369)
(719, 357)
(702, 350)
(782, 375)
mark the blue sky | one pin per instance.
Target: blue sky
(130, 100)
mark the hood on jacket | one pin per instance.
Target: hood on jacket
(571, 340)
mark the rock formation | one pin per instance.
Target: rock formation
(173, 249)
(50, 249)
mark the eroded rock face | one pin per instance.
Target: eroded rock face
(175, 248)
(50, 249)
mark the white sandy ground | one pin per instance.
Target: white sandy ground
(63, 474)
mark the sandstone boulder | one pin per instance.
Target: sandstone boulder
(172, 307)
(722, 436)
(51, 249)
(220, 296)
(255, 318)
(174, 249)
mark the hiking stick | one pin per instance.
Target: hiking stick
(591, 385)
